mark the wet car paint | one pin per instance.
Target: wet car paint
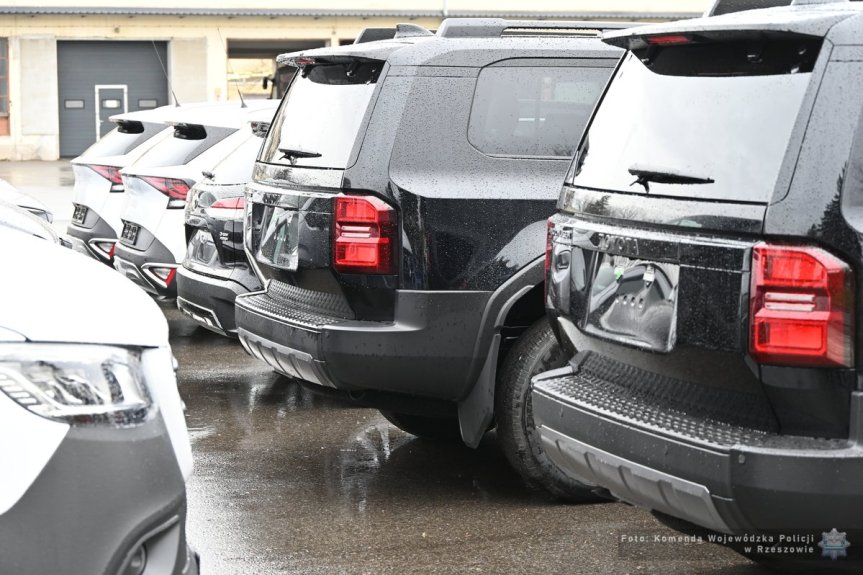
(287, 481)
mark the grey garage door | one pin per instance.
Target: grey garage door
(100, 79)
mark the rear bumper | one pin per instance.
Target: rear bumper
(715, 475)
(137, 266)
(91, 241)
(210, 301)
(427, 350)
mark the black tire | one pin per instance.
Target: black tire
(425, 427)
(534, 352)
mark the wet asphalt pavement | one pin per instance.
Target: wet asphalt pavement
(289, 482)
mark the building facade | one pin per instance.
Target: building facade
(64, 69)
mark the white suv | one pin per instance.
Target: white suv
(93, 443)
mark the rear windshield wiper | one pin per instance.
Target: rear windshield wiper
(646, 174)
(294, 154)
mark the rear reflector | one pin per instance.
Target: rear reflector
(110, 173)
(237, 203)
(163, 276)
(171, 187)
(668, 40)
(801, 307)
(364, 230)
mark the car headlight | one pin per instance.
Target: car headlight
(77, 384)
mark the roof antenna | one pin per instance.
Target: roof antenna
(165, 72)
(231, 69)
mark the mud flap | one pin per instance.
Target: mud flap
(477, 409)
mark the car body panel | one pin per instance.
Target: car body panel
(664, 402)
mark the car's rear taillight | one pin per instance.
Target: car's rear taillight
(801, 307)
(172, 187)
(110, 173)
(668, 40)
(365, 235)
(237, 203)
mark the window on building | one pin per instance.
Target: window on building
(4, 86)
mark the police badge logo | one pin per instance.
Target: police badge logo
(834, 544)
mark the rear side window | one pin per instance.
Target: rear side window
(319, 118)
(533, 111)
(119, 143)
(706, 120)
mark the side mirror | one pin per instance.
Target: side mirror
(266, 83)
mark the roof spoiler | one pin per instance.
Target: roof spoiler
(721, 7)
(375, 34)
(400, 31)
(496, 27)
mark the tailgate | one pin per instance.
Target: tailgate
(672, 303)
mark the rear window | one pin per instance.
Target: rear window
(237, 166)
(318, 120)
(705, 121)
(537, 111)
(179, 149)
(117, 143)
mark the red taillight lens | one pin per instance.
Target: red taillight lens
(364, 229)
(110, 173)
(171, 187)
(801, 307)
(668, 40)
(237, 203)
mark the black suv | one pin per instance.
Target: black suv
(215, 268)
(397, 214)
(704, 277)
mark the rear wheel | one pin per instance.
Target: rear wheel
(425, 427)
(536, 351)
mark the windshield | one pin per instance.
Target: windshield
(705, 123)
(318, 120)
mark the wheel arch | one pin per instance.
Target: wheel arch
(509, 304)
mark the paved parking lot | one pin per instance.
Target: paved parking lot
(289, 482)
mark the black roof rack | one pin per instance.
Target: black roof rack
(497, 27)
(728, 6)
(374, 34)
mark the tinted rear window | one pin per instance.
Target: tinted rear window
(237, 166)
(319, 118)
(116, 143)
(176, 151)
(721, 114)
(533, 111)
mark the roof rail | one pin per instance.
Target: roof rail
(373, 34)
(411, 31)
(495, 27)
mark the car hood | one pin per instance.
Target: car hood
(54, 294)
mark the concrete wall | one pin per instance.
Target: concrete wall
(34, 121)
